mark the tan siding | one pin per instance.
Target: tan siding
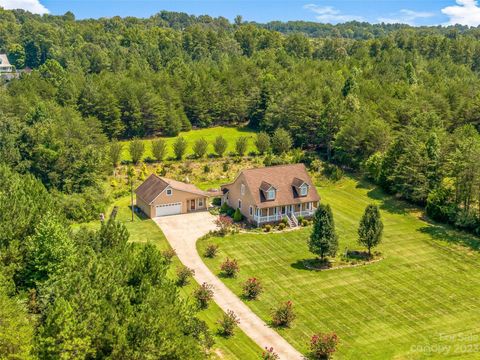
(234, 194)
(147, 209)
(179, 196)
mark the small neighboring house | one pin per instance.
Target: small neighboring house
(159, 196)
(272, 193)
(5, 66)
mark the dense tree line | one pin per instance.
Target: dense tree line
(84, 294)
(391, 99)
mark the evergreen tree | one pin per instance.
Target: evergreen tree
(281, 141)
(137, 149)
(323, 240)
(159, 149)
(241, 145)
(371, 228)
(200, 148)
(115, 153)
(220, 145)
(179, 147)
(262, 143)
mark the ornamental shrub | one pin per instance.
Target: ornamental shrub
(168, 255)
(230, 267)
(237, 216)
(283, 315)
(183, 275)
(322, 346)
(281, 226)
(267, 227)
(203, 295)
(211, 250)
(252, 288)
(228, 323)
(269, 354)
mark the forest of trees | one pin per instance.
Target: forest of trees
(396, 103)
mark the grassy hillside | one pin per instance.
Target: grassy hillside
(231, 134)
(425, 291)
(238, 347)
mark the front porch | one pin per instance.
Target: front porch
(277, 213)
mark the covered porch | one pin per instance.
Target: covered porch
(277, 213)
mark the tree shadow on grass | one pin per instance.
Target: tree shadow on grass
(312, 264)
(441, 232)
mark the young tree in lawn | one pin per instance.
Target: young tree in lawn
(371, 228)
(137, 149)
(263, 143)
(115, 153)
(220, 145)
(323, 239)
(281, 141)
(159, 149)
(200, 148)
(179, 147)
(241, 145)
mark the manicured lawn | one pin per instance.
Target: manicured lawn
(231, 134)
(144, 230)
(425, 292)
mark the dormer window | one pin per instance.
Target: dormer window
(304, 190)
(271, 194)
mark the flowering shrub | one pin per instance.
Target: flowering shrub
(269, 354)
(228, 323)
(283, 315)
(252, 288)
(224, 224)
(168, 255)
(211, 250)
(183, 275)
(203, 294)
(322, 346)
(230, 267)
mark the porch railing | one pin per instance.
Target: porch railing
(278, 217)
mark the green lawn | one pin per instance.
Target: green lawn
(231, 134)
(144, 230)
(425, 292)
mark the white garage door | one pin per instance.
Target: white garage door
(168, 209)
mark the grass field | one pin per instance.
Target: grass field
(420, 301)
(143, 230)
(231, 134)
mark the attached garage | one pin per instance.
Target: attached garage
(168, 209)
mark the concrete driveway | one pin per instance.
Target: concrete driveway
(182, 232)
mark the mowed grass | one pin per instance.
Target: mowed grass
(420, 301)
(144, 230)
(231, 134)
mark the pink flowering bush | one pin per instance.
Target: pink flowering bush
(269, 354)
(283, 315)
(252, 288)
(322, 346)
(230, 267)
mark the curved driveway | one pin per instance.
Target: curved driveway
(182, 232)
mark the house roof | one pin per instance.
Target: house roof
(4, 60)
(284, 179)
(154, 185)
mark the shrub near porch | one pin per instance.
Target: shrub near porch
(424, 287)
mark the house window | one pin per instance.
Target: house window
(271, 194)
(169, 192)
(242, 189)
(250, 210)
(304, 190)
(239, 204)
(200, 202)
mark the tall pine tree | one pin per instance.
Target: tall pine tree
(323, 240)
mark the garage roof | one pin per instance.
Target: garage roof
(154, 185)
